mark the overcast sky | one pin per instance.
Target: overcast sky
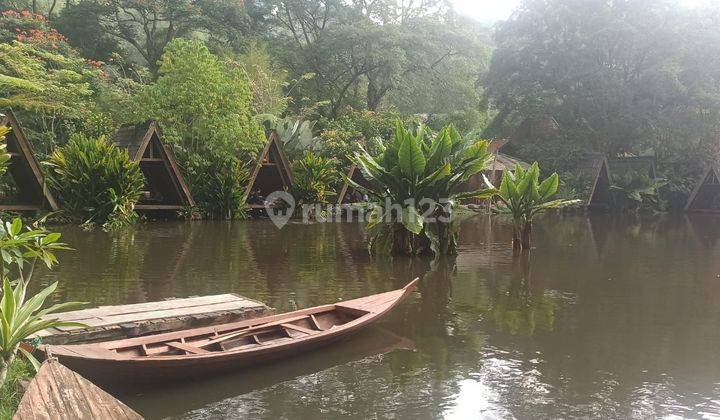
(490, 11)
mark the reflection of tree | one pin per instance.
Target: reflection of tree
(519, 307)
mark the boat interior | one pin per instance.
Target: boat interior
(246, 337)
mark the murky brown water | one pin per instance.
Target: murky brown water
(609, 317)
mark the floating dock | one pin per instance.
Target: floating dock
(57, 393)
(126, 321)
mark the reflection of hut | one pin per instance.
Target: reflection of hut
(596, 175)
(496, 166)
(30, 192)
(348, 194)
(166, 187)
(272, 173)
(633, 164)
(706, 195)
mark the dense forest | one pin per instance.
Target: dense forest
(560, 78)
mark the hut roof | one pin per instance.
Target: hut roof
(356, 175)
(706, 194)
(25, 170)
(166, 184)
(503, 162)
(533, 127)
(272, 172)
(596, 172)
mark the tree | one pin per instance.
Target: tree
(204, 105)
(147, 27)
(418, 177)
(523, 196)
(619, 77)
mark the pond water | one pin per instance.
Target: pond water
(607, 317)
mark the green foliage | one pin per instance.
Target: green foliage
(11, 391)
(522, 196)
(419, 176)
(315, 179)
(96, 181)
(218, 185)
(20, 317)
(267, 82)
(202, 102)
(619, 77)
(296, 135)
(634, 191)
(4, 156)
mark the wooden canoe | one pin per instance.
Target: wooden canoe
(201, 351)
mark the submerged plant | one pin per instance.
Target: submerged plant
(96, 181)
(414, 189)
(20, 316)
(522, 196)
(633, 191)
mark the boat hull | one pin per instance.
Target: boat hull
(101, 363)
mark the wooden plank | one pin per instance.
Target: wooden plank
(186, 347)
(56, 392)
(20, 207)
(125, 321)
(138, 308)
(307, 331)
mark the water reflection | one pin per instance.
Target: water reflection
(607, 317)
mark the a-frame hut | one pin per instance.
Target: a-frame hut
(166, 189)
(348, 194)
(595, 171)
(639, 164)
(494, 170)
(29, 192)
(271, 173)
(706, 195)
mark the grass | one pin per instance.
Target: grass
(10, 392)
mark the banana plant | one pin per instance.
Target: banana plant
(414, 188)
(522, 196)
(21, 318)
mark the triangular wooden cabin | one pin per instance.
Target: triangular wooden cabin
(706, 195)
(271, 173)
(31, 193)
(348, 194)
(596, 173)
(166, 189)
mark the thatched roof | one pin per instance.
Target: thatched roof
(167, 189)
(25, 170)
(596, 173)
(706, 195)
(132, 136)
(272, 172)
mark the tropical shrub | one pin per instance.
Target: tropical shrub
(218, 185)
(96, 181)
(634, 191)
(522, 196)
(20, 316)
(415, 188)
(315, 179)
